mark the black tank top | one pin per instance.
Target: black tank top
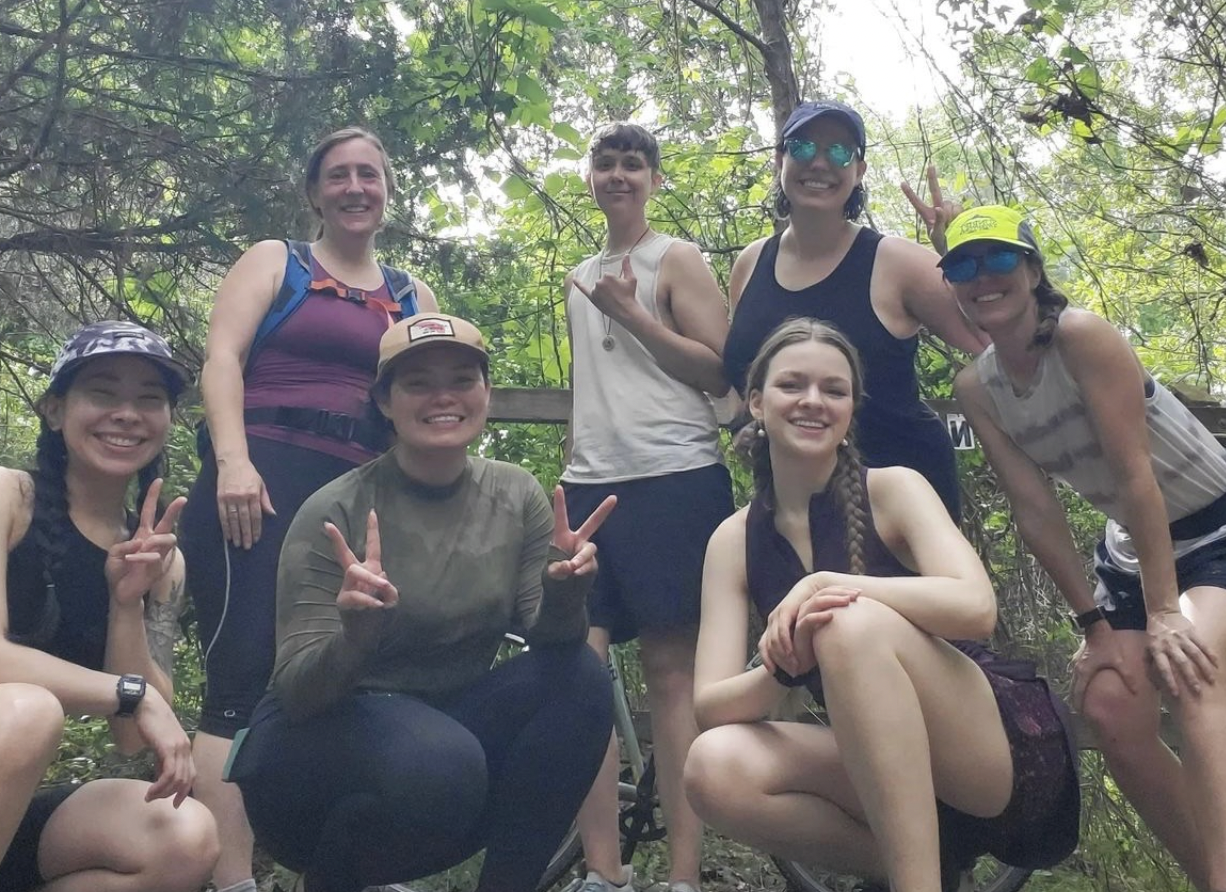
(81, 594)
(893, 426)
(772, 567)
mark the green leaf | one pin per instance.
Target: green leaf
(574, 137)
(529, 88)
(516, 188)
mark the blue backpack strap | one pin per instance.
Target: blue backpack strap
(294, 286)
(401, 288)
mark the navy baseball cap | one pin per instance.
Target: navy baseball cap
(811, 111)
(113, 338)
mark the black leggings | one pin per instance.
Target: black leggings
(384, 788)
(234, 589)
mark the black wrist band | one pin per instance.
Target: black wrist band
(130, 690)
(794, 681)
(1083, 621)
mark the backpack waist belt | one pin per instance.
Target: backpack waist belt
(332, 425)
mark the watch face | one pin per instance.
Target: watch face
(132, 687)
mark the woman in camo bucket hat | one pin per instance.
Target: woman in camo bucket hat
(90, 599)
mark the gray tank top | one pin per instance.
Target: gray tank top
(631, 418)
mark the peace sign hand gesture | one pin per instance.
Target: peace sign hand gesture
(365, 588)
(576, 542)
(615, 296)
(136, 565)
(936, 216)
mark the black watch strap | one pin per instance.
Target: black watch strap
(131, 691)
(794, 681)
(1083, 621)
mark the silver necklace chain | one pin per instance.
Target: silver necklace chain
(608, 342)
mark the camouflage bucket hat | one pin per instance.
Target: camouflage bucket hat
(116, 338)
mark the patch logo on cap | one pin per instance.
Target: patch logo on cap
(431, 328)
(978, 223)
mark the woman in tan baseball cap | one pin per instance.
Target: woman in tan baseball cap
(419, 754)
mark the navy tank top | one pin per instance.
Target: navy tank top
(83, 602)
(893, 426)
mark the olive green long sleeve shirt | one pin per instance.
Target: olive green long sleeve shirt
(468, 562)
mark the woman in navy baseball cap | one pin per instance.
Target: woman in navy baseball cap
(878, 290)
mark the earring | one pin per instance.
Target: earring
(845, 443)
(760, 433)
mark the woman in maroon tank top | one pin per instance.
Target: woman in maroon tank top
(938, 751)
(280, 428)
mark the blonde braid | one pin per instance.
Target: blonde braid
(849, 486)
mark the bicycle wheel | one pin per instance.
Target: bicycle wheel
(990, 876)
(562, 865)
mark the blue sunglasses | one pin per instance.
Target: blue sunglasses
(805, 150)
(999, 261)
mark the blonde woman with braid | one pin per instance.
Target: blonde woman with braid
(938, 750)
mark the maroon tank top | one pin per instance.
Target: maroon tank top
(322, 357)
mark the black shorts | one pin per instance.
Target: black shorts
(19, 869)
(1119, 591)
(652, 547)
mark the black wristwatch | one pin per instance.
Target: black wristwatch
(1083, 621)
(794, 681)
(131, 691)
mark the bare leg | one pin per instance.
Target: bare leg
(597, 818)
(900, 699)
(668, 667)
(781, 787)
(225, 801)
(106, 838)
(1126, 729)
(31, 723)
(1202, 719)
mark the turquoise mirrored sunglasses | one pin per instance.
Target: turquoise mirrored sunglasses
(805, 150)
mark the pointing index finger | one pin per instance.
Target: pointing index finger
(561, 521)
(149, 509)
(374, 548)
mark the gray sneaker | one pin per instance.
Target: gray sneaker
(594, 882)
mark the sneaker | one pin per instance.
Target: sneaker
(594, 882)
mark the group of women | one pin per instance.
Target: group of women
(405, 559)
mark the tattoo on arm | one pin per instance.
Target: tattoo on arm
(162, 627)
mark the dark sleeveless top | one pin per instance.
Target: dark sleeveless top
(893, 426)
(772, 566)
(322, 357)
(80, 592)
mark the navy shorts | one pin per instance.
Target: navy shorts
(652, 547)
(1119, 591)
(19, 869)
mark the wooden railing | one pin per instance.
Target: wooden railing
(526, 404)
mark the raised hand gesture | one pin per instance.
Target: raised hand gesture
(365, 585)
(136, 565)
(576, 543)
(936, 216)
(614, 295)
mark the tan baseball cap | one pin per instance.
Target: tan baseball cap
(425, 329)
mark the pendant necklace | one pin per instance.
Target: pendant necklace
(608, 342)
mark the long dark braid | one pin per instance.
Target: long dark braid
(49, 525)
